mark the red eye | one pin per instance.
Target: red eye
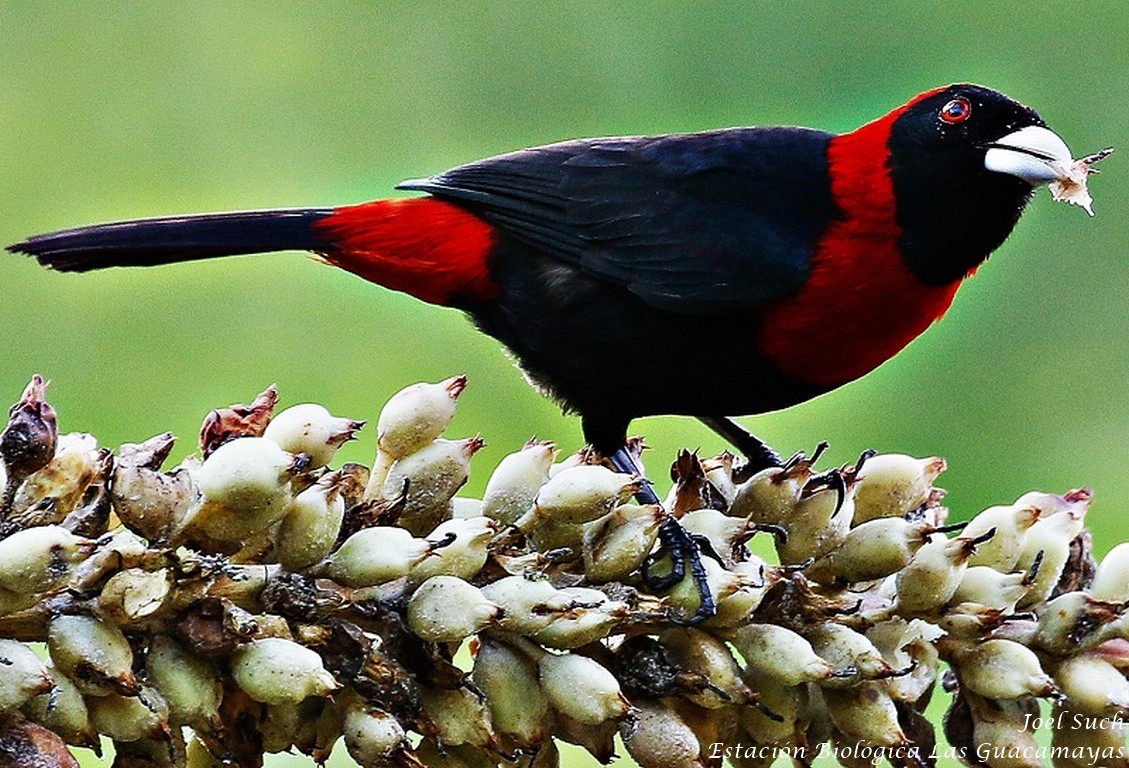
(956, 111)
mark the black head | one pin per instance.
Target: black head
(964, 161)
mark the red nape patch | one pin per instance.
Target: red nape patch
(428, 248)
(861, 305)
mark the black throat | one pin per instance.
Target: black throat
(952, 211)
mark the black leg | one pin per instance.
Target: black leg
(678, 543)
(621, 461)
(759, 455)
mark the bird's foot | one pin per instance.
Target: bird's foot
(684, 549)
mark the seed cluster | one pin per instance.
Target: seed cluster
(258, 601)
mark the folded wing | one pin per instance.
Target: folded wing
(696, 223)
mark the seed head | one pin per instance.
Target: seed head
(517, 479)
(372, 736)
(615, 545)
(1092, 685)
(581, 688)
(1010, 523)
(865, 712)
(508, 679)
(275, 670)
(579, 495)
(417, 415)
(1111, 581)
(375, 555)
(22, 675)
(190, 685)
(94, 654)
(657, 737)
(61, 708)
(432, 476)
(779, 655)
(1003, 669)
(35, 560)
(311, 429)
(457, 547)
(246, 488)
(893, 485)
(310, 524)
(446, 609)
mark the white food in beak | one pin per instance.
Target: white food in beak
(1039, 156)
(1036, 155)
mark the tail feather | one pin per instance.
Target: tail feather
(428, 248)
(171, 239)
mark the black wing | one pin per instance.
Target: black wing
(707, 222)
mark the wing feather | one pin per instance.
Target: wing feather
(696, 223)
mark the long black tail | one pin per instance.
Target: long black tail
(146, 242)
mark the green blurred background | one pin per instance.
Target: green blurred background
(116, 110)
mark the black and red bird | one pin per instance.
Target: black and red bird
(794, 260)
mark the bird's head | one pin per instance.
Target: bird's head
(964, 161)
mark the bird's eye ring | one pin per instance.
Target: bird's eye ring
(956, 111)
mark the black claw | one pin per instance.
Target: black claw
(684, 551)
(706, 609)
(986, 536)
(840, 484)
(721, 692)
(446, 541)
(764, 710)
(832, 478)
(793, 460)
(705, 547)
(1036, 566)
(903, 671)
(799, 456)
(622, 461)
(797, 567)
(675, 541)
(779, 532)
(864, 457)
(819, 449)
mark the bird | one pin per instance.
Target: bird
(789, 260)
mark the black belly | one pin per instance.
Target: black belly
(601, 351)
